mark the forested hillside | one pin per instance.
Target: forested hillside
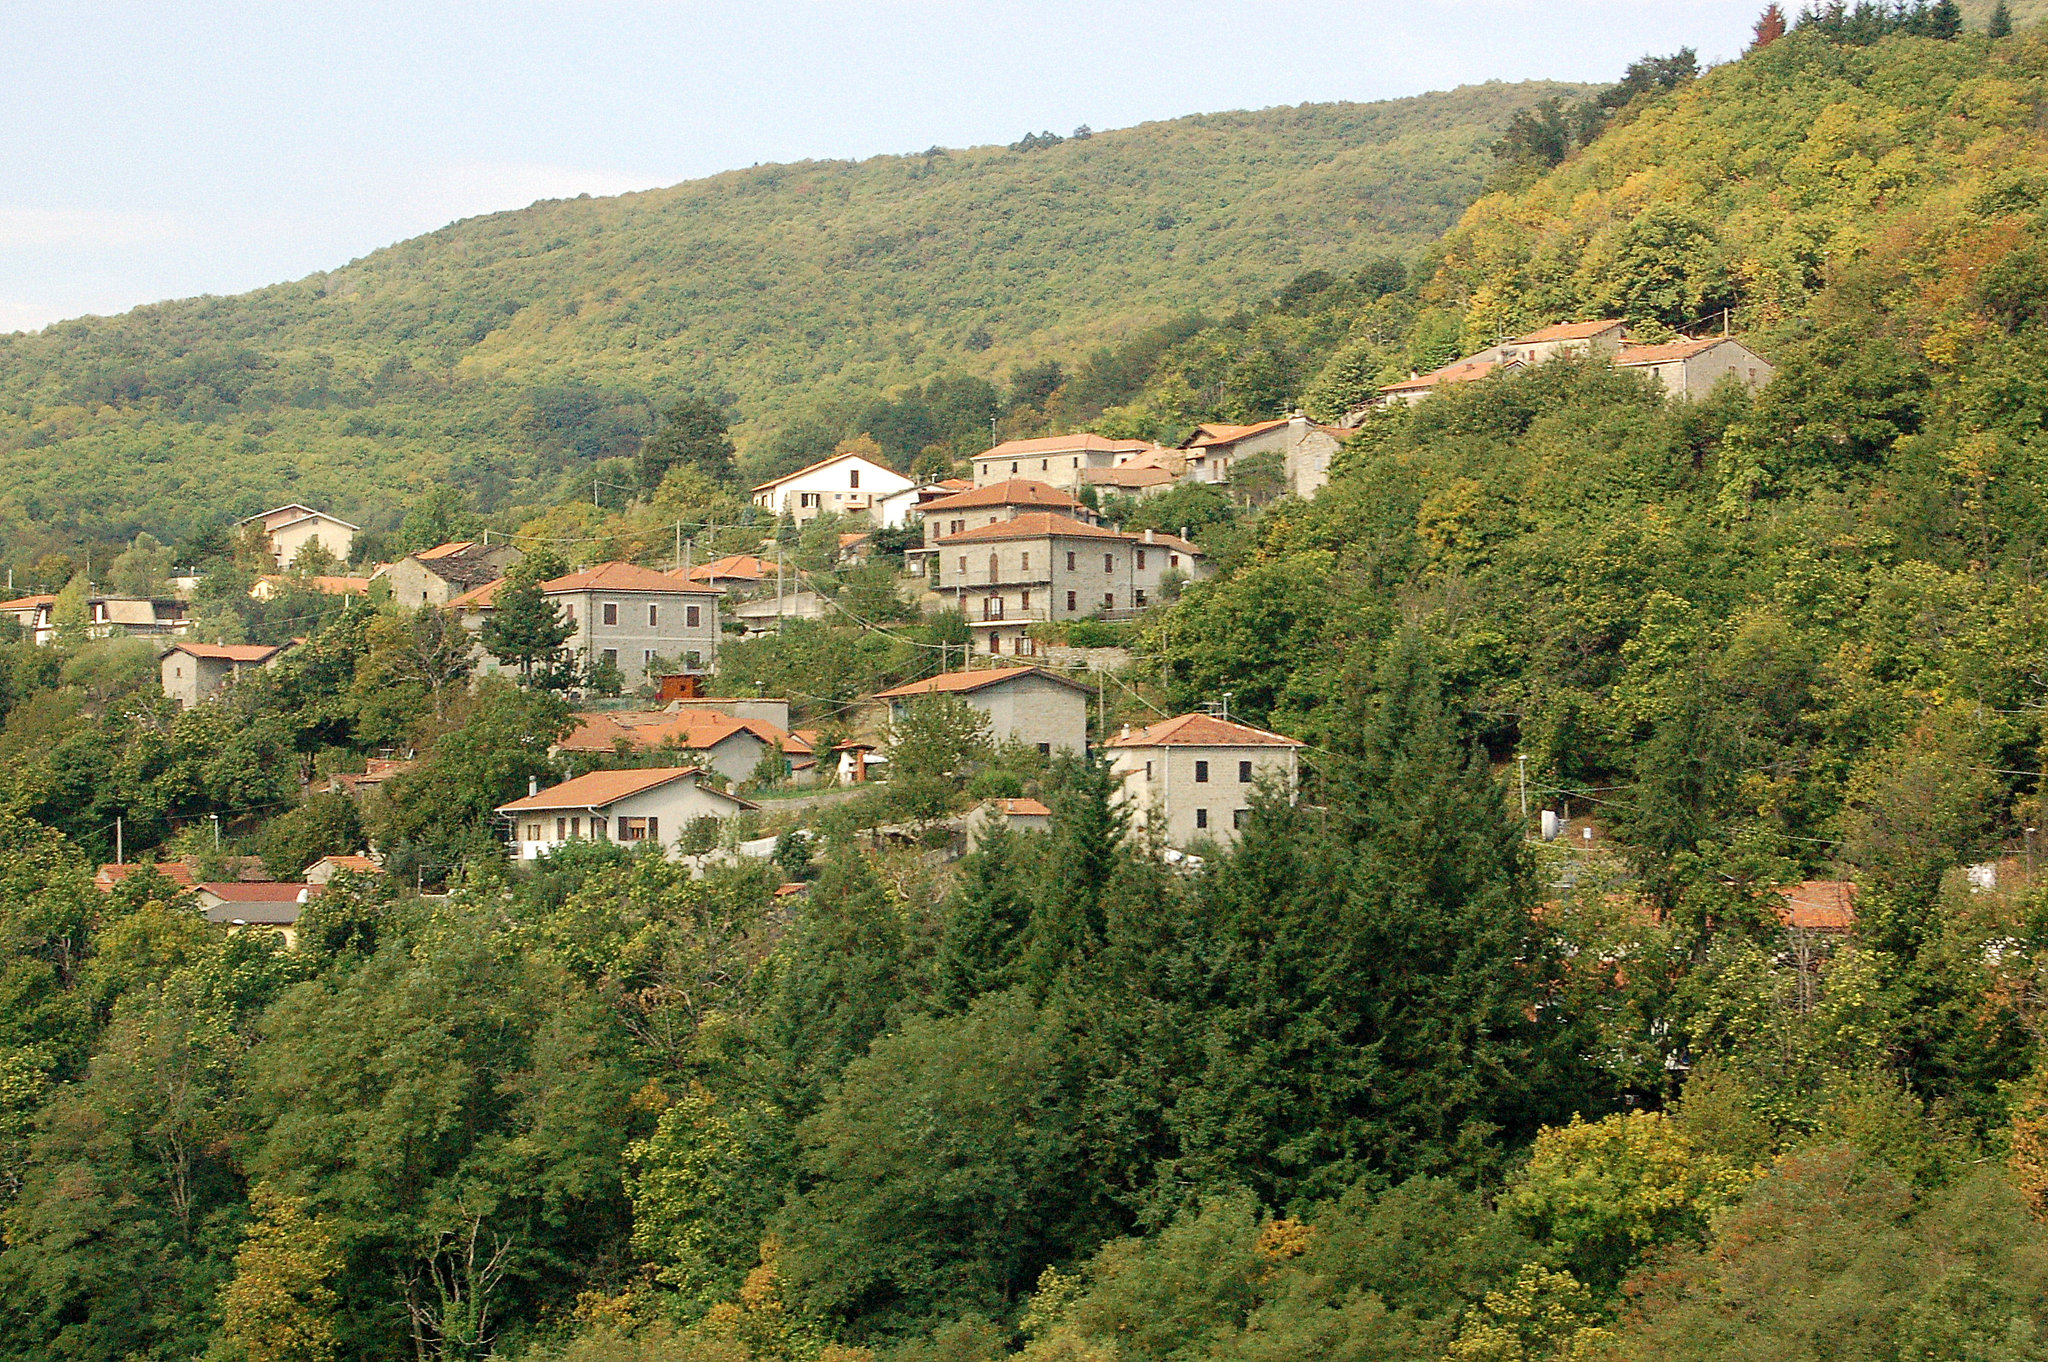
(503, 355)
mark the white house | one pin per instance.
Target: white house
(652, 805)
(290, 528)
(896, 509)
(845, 483)
(1193, 777)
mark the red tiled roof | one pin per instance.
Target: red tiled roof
(696, 729)
(444, 550)
(111, 874)
(1009, 492)
(739, 567)
(1208, 437)
(483, 597)
(1033, 525)
(956, 484)
(1671, 350)
(257, 891)
(956, 683)
(1566, 331)
(27, 602)
(1202, 730)
(225, 652)
(1461, 372)
(1060, 444)
(1024, 808)
(822, 463)
(600, 788)
(1124, 475)
(623, 577)
(1818, 905)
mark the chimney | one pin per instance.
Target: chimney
(1127, 731)
(1149, 537)
(532, 786)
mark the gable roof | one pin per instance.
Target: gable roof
(1079, 443)
(1209, 437)
(1464, 371)
(744, 567)
(1008, 492)
(600, 788)
(1033, 525)
(1127, 475)
(696, 729)
(112, 873)
(1023, 808)
(225, 652)
(960, 683)
(623, 577)
(310, 514)
(1568, 331)
(1818, 905)
(824, 463)
(1202, 730)
(483, 597)
(359, 865)
(1671, 350)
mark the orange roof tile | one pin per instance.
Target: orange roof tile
(111, 874)
(483, 597)
(1669, 351)
(443, 550)
(1818, 905)
(600, 788)
(1024, 808)
(955, 683)
(257, 891)
(27, 602)
(225, 652)
(1078, 443)
(1208, 437)
(1009, 492)
(737, 567)
(623, 577)
(1566, 331)
(1202, 730)
(1125, 475)
(1033, 525)
(1460, 372)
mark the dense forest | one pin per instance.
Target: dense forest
(1392, 1078)
(511, 354)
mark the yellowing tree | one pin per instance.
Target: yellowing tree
(278, 1307)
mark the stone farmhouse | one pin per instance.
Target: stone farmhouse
(1192, 778)
(980, 506)
(1042, 567)
(1692, 368)
(1061, 460)
(1685, 368)
(629, 616)
(1305, 449)
(191, 672)
(1031, 705)
(438, 575)
(650, 805)
(848, 484)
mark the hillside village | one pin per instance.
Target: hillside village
(1476, 800)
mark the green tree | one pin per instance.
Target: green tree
(524, 628)
(142, 569)
(2000, 23)
(692, 434)
(935, 746)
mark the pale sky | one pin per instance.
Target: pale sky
(163, 149)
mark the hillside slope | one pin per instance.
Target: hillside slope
(779, 290)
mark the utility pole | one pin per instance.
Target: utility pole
(679, 546)
(120, 859)
(1522, 764)
(778, 584)
(216, 832)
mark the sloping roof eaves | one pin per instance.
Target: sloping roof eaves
(957, 683)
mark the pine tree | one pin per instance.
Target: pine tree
(2001, 21)
(1086, 837)
(1770, 26)
(524, 628)
(985, 922)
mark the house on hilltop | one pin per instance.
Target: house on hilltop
(1692, 368)
(1193, 777)
(1031, 705)
(1061, 460)
(847, 484)
(191, 672)
(652, 805)
(288, 529)
(1305, 449)
(438, 575)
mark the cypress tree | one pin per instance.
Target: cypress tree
(985, 922)
(1086, 838)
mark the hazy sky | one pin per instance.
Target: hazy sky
(161, 149)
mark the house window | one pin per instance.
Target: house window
(1045, 749)
(693, 616)
(692, 661)
(533, 832)
(1244, 773)
(963, 567)
(1070, 601)
(597, 829)
(576, 827)
(1141, 560)
(1238, 817)
(1201, 818)
(561, 829)
(1148, 773)
(639, 829)
(1109, 562)
(993, 570)
(1024, 600)
(1138, 598)
(647, 659)
(611, 612)
(1173, 560)
(1013, 468)
(853, 479)
(569, 612)
(1027, 561)
(1201, 773)
(653, 616)
(1109, 600)
(956, 527)
(1044, 464)
(611, 656)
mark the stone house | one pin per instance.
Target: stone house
(1569, 340)
(1031, 705)
(1692, 368)
(193, 671)
(630, 616)
(1060, 460)
(848, 484)
(291, 528)
(1192, 778)
(650, 805)
(729, 745)
(1044, 567)
(438, 575)
(990, 505)
(899, 508)
(1305, 449)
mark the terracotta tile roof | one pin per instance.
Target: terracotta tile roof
(956, 484)
(225, 652)
(443, 550)
(27, 602)
(111, 874)
(743, 567)
(822, 463)
(623, 577)
(956, 683)
(600, 788)
(1818, 905)
(1202, 730)
(1023, 808)
(1208, 437)
(1671, 350)
(1009, 492)
(696, 729)
(357, 865)
(483, 597)
(254, 891)
(847, 541)
(1460, 372)
(1033, 525)
(1566, 331)
(1061, 444)
(1125, 475)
